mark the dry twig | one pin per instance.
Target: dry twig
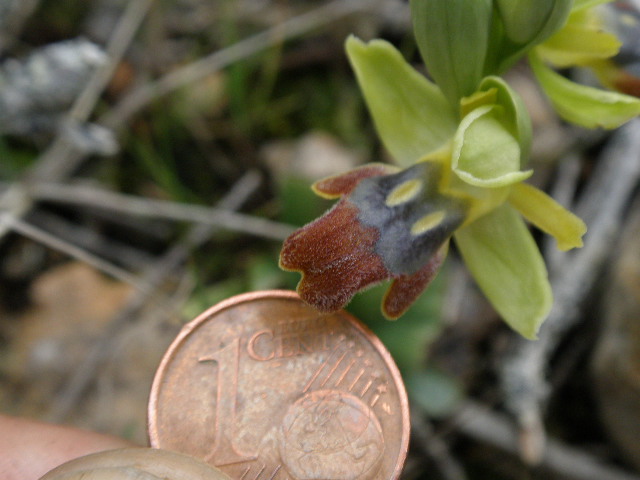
(169, 265)
(41, 236)
(13, 16)
(215, 62)
(88, 238)
(482, 424)
(62, 156)
(434, 447)
(601, 205)
(91, 197)
(58, 161)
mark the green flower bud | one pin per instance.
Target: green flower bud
(453, 37)
(528, 22)
(520, 25)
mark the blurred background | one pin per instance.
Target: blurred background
(154, 155)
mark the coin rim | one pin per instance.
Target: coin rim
(190, 327)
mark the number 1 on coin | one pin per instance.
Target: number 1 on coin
(223, 451)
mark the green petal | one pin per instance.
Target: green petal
(585, 106)
(581, 41)
(506, 263)
(411, 115)
(484, 153)
(453, 36)
(517, 116)
(548, 215)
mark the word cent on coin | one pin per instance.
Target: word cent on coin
(264, 387)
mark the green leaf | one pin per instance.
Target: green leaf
(411, 115)
(506, 263)
(585, 106)
(518, 120)
(453, 36)
(548, 215)
(484, 152)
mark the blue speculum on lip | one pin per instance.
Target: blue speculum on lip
(413, 218)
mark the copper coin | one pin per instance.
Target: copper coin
(264, 387)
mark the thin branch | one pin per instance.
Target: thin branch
(563, 191)
(14, 17)
(122, 37)
(156, 274)
(488, 427)
(89, 239)
(51, 241)
(62, 156)
(200, 69)
(57, 162)
(602, 204)
(93, 197)
(434, 447)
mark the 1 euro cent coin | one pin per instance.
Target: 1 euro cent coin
(264, 387)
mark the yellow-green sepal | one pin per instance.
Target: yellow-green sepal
(410, 113)
(585, 106)
(581, 41)
(548, 215)
(503, 258)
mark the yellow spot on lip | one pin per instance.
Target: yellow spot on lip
(404, 192)
(628, 20)
(427, 222)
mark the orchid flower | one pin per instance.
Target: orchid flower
(460, 146)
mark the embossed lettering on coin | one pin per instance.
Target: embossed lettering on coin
(266, 388)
